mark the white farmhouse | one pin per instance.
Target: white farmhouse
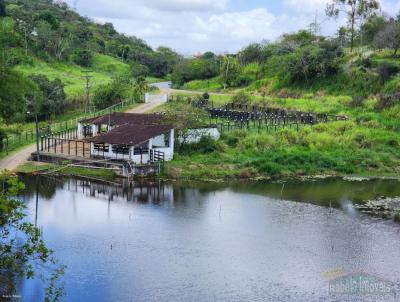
(140, 138)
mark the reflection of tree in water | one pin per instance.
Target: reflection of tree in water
(149, 191)
(46, 186)
(23, 253)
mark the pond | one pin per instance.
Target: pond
(215, 242)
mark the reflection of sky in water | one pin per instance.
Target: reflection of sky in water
(199, 244)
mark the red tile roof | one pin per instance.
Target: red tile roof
(131, 135)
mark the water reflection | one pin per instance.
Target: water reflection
(206, 242)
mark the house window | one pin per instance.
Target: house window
(101, 148)
(167, 140)
(140, 151)
(87, 131)
(120, 149)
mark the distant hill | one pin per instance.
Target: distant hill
(53, 40)
(45, 47)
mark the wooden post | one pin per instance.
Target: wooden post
(76, 148)
(69, 147)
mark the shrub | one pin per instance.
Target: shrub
(139, 70)
(241, 98)
(285, 93)
(387, 101)
(357, 101)
(313, 62)
(366, 62)
(206, 145)
(386, 70)
(52, 99)
(83, 57)
(109, 94)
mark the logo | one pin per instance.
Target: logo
(360, 284)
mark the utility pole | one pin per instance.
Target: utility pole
(87, 77)
(35, 114)
(37, 137)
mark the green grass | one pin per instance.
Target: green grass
(33, 167)
(102, 174)
(204, 85)
(152, 80)
(341, 148)
(104, 68)
(367, 144)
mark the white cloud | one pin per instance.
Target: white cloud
(307, 6)
(188, 5)
(125, 8)
(390, 7)
(192, 32)
(192, 26)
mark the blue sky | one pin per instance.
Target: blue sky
(195, 26)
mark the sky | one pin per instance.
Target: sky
(195, 26)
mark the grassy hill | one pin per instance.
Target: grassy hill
(104, 68)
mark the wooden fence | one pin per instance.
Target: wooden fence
(245, 116)
(16, 140)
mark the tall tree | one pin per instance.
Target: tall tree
(140, 87)
(389, 37)
(354, 9)
(230, 71)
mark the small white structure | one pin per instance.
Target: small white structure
(140, 138)
(191, 136)
(155, 98)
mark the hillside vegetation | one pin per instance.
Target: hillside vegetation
(355, 74)
(46, 47)
(104, 69)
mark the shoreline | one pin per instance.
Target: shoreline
(106, 175)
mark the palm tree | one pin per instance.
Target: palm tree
(140, 87)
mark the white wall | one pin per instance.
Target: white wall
(155, 98)
(80, 131)
(141, 159)
(194, 135)
(169, 151)
(159, 141)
